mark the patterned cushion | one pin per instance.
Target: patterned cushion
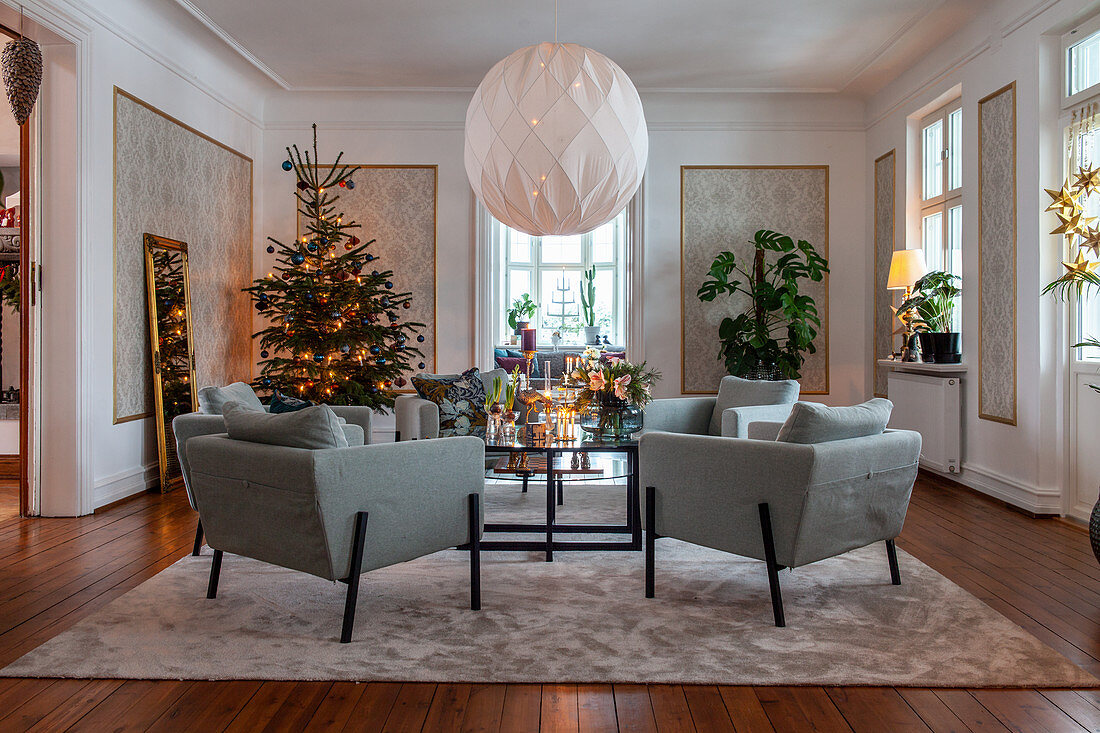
(461, 400)
(281, 403)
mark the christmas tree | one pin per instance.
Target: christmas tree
(335, 333)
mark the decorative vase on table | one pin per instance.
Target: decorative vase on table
(612, 419)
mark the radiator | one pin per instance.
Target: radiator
(930, 405)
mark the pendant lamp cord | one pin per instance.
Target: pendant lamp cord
(555, 22)
(20, 21)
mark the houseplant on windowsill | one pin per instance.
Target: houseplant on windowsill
(768, 340)
(588, 307)
(612, 396)
(519, 315)
(934, 298)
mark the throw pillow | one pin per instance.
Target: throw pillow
(313, 427)
(737, 392)
(513, 354)
(461, 401)
(212, 400)
(811, 422)
(508, 363)
(281, 403)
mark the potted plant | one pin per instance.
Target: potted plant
(612, 396)
(934, 297)
(519, 315)
(588, 307)
(770, 338)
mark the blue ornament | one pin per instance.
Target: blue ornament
(400, 338)
(366, 321)
(265, 382)
(345, 349)
(287, 165)
(393, 317)
(370, 258)
(374, 273)
(385, 302)
(297, 258)
(318, 357)
(334, 314)
(288, 318)
(420, 338)
(309, 296)
(263, 354)
(421, 365)
(312, 246)
(381, 361)
(375, 350)
(349, 183)
(389, 286)
(270, 249)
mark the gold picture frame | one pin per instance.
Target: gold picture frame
(166, 283)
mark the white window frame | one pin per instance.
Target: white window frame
(949, 198)
(536, 269)
(1077, 35)
(489, 301)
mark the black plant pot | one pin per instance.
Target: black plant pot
(1094, 530)
(520, 326)
(946, 347)
(927, 347)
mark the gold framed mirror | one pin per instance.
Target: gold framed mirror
(168, 293)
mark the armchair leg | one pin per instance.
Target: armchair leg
(650, 536)
(396, 436)
(198, 540)
(773, 566)
(525, 478)
(358, 541)
(475, 552)
(892, 556)
(215, 572)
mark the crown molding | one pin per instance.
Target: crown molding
(889, 43)
(233, 43)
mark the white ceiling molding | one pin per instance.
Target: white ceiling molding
(233, 43)
(889, 43)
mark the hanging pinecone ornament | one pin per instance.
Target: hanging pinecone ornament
(21, 63)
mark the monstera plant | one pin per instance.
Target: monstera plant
(771, 337)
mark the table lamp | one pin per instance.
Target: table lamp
(906, 267)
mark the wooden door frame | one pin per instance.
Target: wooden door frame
(27, 279)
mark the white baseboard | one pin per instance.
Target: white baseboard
(999, 486)
(124, 484)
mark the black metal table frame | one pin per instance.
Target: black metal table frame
(633, 526)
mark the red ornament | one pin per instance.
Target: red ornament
(354, 241)
(400, 381)
(406, 305)
(302, 185)
(341, 184)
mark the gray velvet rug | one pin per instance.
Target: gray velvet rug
(582, 618)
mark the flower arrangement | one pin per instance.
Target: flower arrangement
(615, 381)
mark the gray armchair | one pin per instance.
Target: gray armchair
(418, 419)
(788, 504)
(308, 510)
(209, 421)
(739, 402)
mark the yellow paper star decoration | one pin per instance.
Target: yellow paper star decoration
(1073, 222)
(1087, 180)
(1065, 200)
(1081, 265)
(1090, 239)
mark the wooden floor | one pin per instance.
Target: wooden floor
(1039, 573)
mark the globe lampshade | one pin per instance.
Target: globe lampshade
(556, 141)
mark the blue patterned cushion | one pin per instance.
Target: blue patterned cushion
(281, 403)
(461, 401)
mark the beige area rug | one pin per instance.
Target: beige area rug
(582, 618)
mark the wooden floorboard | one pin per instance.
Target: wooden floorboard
(1040, 573)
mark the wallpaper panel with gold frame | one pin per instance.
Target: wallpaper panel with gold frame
(721, 208)
(396, 205)
(172, 179)
(997, 368)
(882, 343)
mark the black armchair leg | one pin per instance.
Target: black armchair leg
(396, 436)
(215, 573)
(198, 540)
(475, 552)
(357, 543)
(525, 478)
(650, 536)
(773, 566)
(892, 555)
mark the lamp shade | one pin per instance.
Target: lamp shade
(556, 141)
(906, 267)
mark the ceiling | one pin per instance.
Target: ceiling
(854, 46)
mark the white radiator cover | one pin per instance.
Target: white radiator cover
(930, 405)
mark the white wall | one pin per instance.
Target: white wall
(1018, 41)
(159, 53)
(684, 129)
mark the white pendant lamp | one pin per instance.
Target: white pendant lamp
(556, 141)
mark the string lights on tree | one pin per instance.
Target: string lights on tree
(335, 332)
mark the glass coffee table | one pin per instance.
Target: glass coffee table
(527, 457)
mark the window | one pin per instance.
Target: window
(1082, 62)
(550, 270)
(1084, 151)
(941, 191)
